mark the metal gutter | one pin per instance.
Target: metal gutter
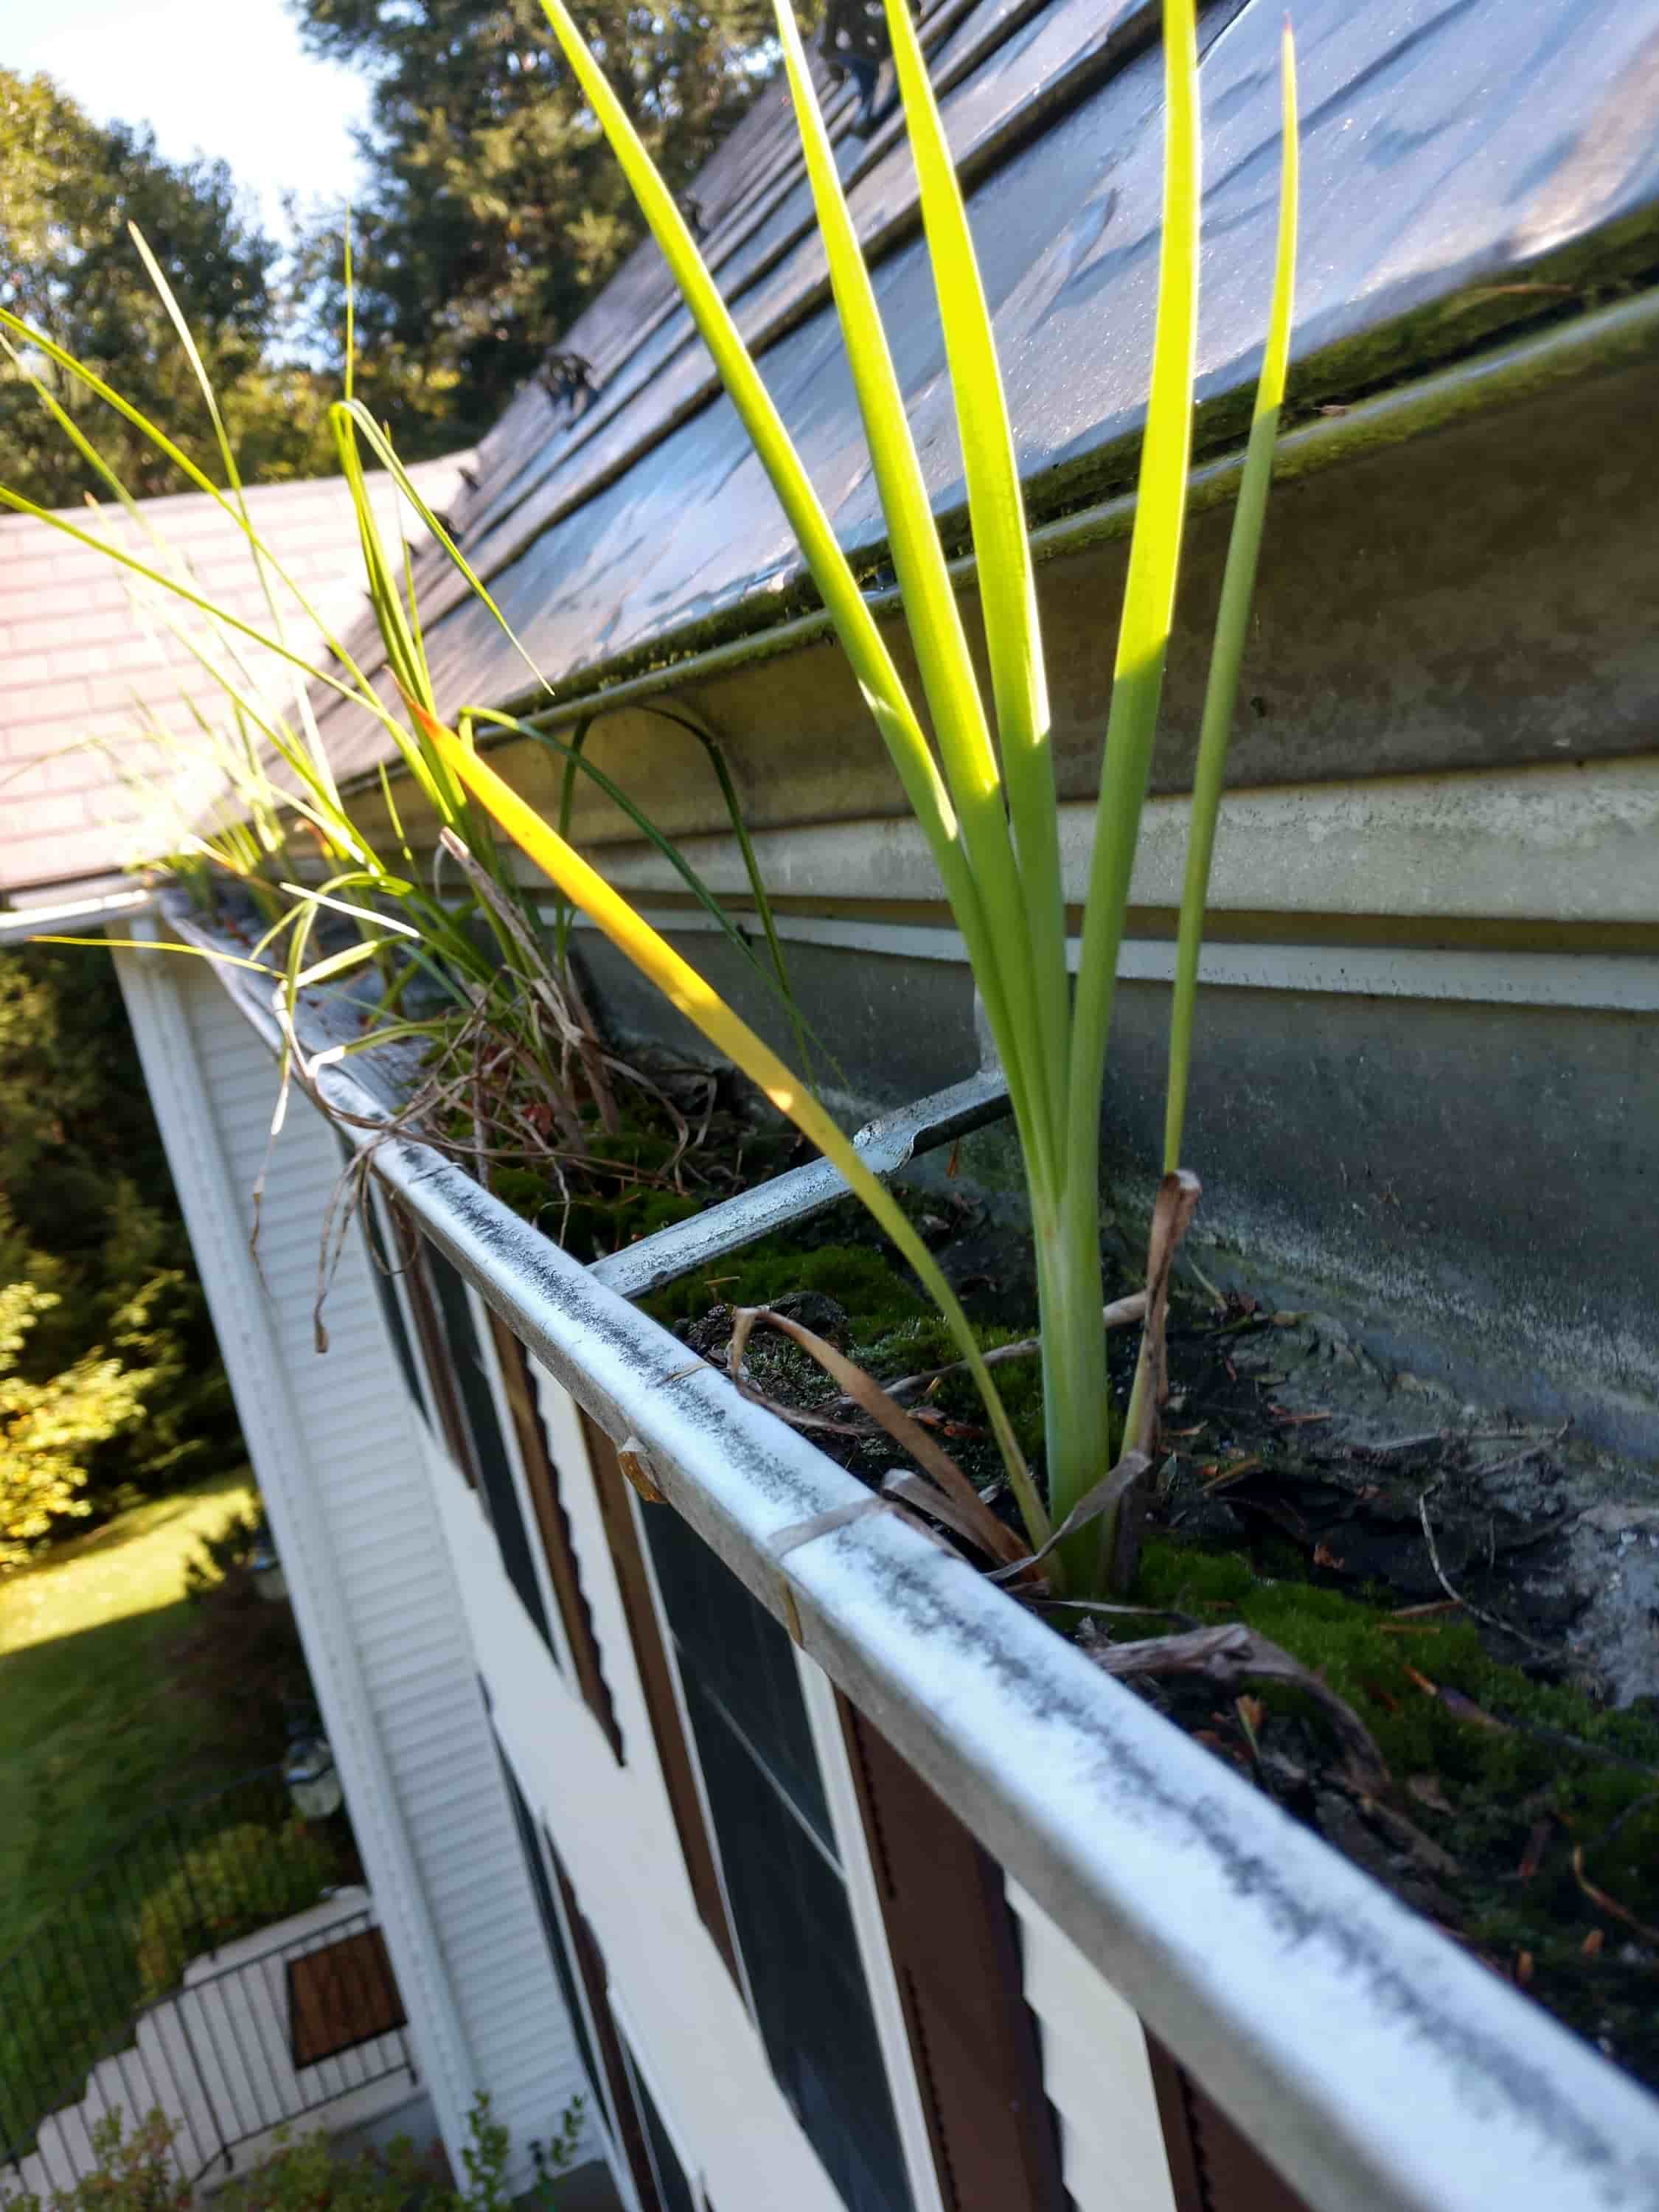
(1381, 2068)
(19, 925)
(887, 1143)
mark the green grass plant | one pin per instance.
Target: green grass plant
(984, 800)
(981, 785)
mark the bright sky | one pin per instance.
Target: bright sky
(222, 78)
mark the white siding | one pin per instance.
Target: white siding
(1096, 2071)
(615, 1831)
(341, 1456)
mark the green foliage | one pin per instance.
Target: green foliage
(105, 1315)
(494, 214)
(234, 1884)
(68, 187)
(135, 2172)
(306, 2175)
(239, 1665)
(49, 1431)
(1506, 1774)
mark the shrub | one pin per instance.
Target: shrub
(305, 2174)
(237, 1882)
(135, 2172)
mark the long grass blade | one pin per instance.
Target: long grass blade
(688, 992)
(1002, 549)
(1002, 964)
(1148, 605)
(1231, 625)
(577, 763)
(855, 625)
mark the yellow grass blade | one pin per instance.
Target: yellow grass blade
(688, 992)
(1231, 624)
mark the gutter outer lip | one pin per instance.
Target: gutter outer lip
(1383, 2068)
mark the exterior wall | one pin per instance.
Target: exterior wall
(613, 1827)
(339, 1455)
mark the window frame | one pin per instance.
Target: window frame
(869, 1924)
(855, 1871)
(644, 2074)
(560, 1564)
(530, 1517)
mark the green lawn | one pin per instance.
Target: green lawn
(90, 1740)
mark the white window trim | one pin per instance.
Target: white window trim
(634, 2054)
(604, 2120)
(846, 1823)
(880, 1976)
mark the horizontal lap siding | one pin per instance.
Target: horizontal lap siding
(407, 1628)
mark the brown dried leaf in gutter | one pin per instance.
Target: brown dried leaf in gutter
(1232, 1655)
(990, 1534)
(1120, 1312)
(1172, 1212)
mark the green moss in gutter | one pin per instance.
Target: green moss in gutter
(1496, 1783)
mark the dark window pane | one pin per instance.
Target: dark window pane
(794, 1928)
(563, 1968)
(489, 1445)
(740, 1659)
(381, 1267)
(783, 1880)
(672, 2185)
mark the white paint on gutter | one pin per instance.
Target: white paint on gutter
(1625, 982)
(1387, 2070)
(1555, 843)
(18, 924)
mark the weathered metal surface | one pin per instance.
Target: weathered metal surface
(1508, 632)
(1388, 2071)
(886, 1144)
(652, 365)
(1444, 146)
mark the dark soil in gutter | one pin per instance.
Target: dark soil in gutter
(1482, 1595)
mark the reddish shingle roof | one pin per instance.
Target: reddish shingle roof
(87, 659)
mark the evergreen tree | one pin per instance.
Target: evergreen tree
(68, 187)
(496, 210)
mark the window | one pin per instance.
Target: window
(563, 1970)
(542, 1479)
(673, 2186)
(381, 1265)
(783, 1880)
(465, 1397)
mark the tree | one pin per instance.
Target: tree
(496, 210)
(69, 188)
(49, 1431)
(109, 1373)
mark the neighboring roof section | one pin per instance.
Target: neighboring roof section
(89, 660)
(1464, 167)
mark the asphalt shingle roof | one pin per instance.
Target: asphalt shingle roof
(87, 659)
